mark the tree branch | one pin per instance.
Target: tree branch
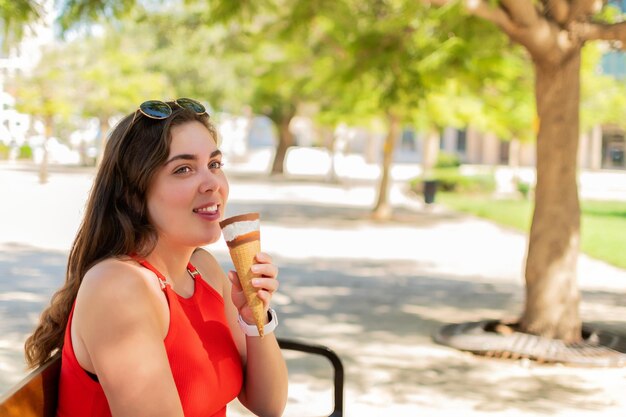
(495, 15)
(598, 31)
(522, 12)
(522, 22)
(558, 9)
(580, 10)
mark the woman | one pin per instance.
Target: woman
(147, 322)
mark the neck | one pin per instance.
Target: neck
(171, 262)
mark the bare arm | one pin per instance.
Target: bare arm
(120, 325)
(265, 373)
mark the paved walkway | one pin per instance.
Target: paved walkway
(374, 292)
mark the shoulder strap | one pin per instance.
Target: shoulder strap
(148, 265)
(162, 280)
(193, 271)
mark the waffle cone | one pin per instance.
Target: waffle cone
(242, 256)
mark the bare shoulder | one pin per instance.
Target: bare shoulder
(210, 269)
(117, 277)
(116, 288)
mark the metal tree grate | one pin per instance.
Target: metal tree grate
(598, 348)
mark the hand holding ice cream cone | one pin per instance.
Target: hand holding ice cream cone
(242, 235)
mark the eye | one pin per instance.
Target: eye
(182, 170)
(216, 165)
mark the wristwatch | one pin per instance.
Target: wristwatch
(251, 329)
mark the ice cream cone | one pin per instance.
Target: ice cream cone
(243, 238)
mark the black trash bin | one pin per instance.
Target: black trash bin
(430, 188)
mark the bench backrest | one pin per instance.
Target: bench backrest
(36, 394)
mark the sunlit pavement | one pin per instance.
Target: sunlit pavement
(374, 292)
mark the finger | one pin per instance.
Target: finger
(267, 284)
(263, 258)
(266, 270)
(234, 280)
(265, 297)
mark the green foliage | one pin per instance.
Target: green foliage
(523, 187)
(25, 152)
(511, 213)
(112, 74)
(447, 160)
(603, 98)
(603, 231)
(211, 72)
(451, 179)
(14, 16)
(610, 13)
(603, 223)
(46, 91)
(359, 60)
(236, 53)
(397, 53)
(4, 151)
(76, 12)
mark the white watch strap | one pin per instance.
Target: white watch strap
(251, 330)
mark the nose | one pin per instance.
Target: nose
(210, 182)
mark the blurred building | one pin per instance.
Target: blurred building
(605, 146)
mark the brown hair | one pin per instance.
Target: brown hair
(115, 223)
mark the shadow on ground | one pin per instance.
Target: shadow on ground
(28, 277)
(379, 316)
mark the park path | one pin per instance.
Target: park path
(374, 292)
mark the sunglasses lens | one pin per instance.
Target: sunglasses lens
(192, 105)
(155, 109)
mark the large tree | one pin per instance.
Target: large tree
(553, 33)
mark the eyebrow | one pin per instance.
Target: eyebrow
(191, 157)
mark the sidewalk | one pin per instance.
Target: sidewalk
(374, 292)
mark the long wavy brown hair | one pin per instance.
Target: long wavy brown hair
(116, 222)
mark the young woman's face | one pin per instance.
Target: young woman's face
(187, 197)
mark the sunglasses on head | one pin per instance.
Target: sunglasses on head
(157, 109)
(160, 110)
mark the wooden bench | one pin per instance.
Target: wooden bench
(36, 394)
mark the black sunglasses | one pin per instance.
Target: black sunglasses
(157, 109)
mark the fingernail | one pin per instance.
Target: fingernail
(256, 282)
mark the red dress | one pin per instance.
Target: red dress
(203, 357)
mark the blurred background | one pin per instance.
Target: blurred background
(353, 126)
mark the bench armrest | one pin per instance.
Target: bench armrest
(290, 344)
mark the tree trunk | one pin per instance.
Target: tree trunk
(430, 152)
(330, 143)
(104, 131)
(382, 210)
(285, 140)
(43, 168)
(552, 295)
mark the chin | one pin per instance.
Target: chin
(210, 239)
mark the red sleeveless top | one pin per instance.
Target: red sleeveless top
(203, 357)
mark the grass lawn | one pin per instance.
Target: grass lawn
(603, 223)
